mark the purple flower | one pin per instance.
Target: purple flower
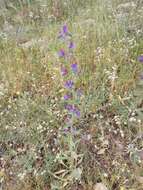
(77, 112)
(69, 107)
(65, 29)
(64, 71)
(67, 97)
(63, 33)
(74, 67)
(61, 53)
(69, 84)
(140, 58)
(73, 109)
(71, 45)
(66, 130)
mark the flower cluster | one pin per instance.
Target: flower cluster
(69, 72)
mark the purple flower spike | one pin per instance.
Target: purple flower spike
(64, 71)
(140, 58)
(69, 84)
(74, 67)
(65, 29)
(61, 53)
(71, 45)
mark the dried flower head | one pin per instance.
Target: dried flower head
(64, 71)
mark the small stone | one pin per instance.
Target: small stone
(100, 186)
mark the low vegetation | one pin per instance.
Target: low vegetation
(71, 104)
